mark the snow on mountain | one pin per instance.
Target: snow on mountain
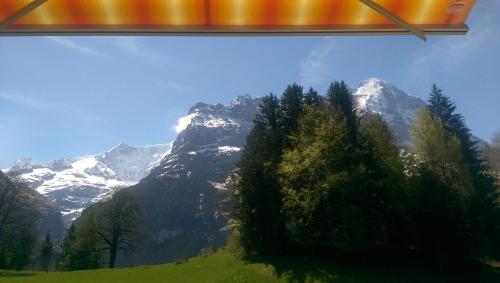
(73, 184)
(396, 107)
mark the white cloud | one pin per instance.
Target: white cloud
(75, 46)
(183, 122)
(313, 68)
(450, 52)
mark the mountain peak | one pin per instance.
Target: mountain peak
(241, 100)
(374, 80)
(396, 107)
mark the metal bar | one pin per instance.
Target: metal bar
(395, 19)
(21, 13)
(232, 31)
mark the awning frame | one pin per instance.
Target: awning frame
(386, 13)
(21, 13)
(405, 28)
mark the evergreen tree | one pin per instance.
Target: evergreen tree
(46, 253)
(85, 251)
(485, 208)
(312, 98)
(68, 246)
(315, 180)
(342, 195)
(385, 198)
(261, 226)
(339, 96)
(291, 107)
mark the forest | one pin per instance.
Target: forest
(319, 177)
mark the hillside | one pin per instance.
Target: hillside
(223, 266)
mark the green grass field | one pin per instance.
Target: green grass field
(223, 266)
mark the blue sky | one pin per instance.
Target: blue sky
(72, 96)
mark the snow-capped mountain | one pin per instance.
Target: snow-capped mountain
(396, 107)
(184, 195)
(72, 184)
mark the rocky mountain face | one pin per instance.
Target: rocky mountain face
(72, 184)
(396, 107)
(184, 195)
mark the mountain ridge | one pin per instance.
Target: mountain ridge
(74, 183)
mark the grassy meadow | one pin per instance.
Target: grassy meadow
(224, 266)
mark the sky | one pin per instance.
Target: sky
(74, 96)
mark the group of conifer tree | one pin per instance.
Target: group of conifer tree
(319, 176)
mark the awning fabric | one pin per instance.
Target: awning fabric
(231, 16)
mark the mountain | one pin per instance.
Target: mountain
(396, 107)
(184, 196)
(72, 184)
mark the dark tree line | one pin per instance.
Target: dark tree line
(18, 224)
(102, 231)
(318, 176)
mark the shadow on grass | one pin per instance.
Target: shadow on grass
(5, 273)
(306, 269)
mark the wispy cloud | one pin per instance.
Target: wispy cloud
(448, 53)
(128, 43)
(26, 101)
(313, 68)
(80, 116)
(173, 85)
(133, 45)
(65, 42)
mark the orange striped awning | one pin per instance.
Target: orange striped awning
(233, 16)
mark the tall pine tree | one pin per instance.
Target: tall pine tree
(291, 108)
(259, 211)
(312, 98)
(339, 96)
(485, 207)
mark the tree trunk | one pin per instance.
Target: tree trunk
(112, 256)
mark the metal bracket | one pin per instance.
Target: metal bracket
(386, 13)
(21, 13)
